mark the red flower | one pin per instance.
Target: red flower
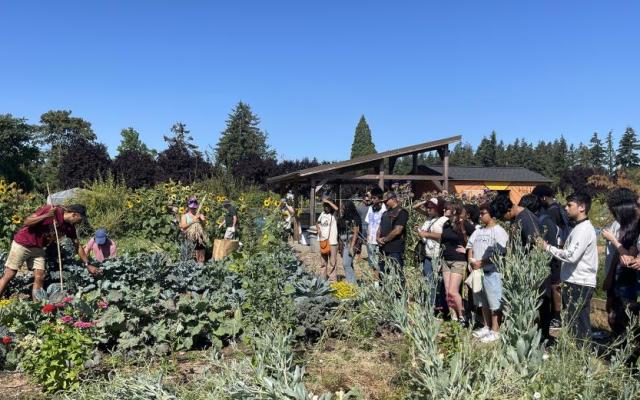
(48, 308)
(67, 299)
(6, 340)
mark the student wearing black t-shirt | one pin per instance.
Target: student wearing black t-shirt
(453, 240)
(392, 231)
(521, 219)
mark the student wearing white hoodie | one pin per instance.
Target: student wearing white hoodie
(579, 265)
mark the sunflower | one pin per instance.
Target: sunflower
(16, 220)
(206, 209)
(3, 188)
(220, 199)
(129, 204)
(220, 220)
(241, 199)
(138, 199)
(173, 197)
(266, 203)
(181, 210)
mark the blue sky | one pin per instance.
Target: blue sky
(417, 70)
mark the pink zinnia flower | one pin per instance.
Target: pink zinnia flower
(67, 319)
(103, 304)
(83, 325)
(68, 299)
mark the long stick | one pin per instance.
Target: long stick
(55, 229)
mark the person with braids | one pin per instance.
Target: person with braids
(453, 240)
(621, 282)
(349, 227)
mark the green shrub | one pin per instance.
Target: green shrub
(57, 357)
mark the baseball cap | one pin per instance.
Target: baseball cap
(101, 236)
(389, 195)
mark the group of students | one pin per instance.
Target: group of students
(464, 241)
(378, 224)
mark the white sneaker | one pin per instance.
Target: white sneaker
(490, 337)
(480, 333)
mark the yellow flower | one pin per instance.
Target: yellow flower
(138, 199)
(6, 302)
(129, 204)
(207, 209)
(173, 197)
(344, 290)
(220, 199)
(241, 199)
(3, 189)
(16, 220)
(181, 210)
(265, 237)
(266, 203)
(220, 220)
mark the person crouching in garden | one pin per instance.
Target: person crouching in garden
(485, 243)
(579, 265)
(349, 226)
(327, 228)
(100, 246)
(38, 232)
(191, 226)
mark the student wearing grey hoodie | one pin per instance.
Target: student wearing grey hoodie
(579, 259)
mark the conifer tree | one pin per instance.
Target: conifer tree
(242, 138)
(462, 155)
(627, 156)
(610, 155)
(487, 151)
(597, 152)
(362, 142)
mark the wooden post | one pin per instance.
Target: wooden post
(381, 176)
(312, 204)
(414, 164)
(297, 229)
(445, 167)
(339, 197)
(392, 165)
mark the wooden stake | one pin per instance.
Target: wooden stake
(55, 229)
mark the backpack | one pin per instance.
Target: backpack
(565, 229)
(543, 217)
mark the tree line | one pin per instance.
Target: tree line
(62, 151)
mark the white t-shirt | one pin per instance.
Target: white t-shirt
(485, 242)
(328, 228)
(579, 256)
(373, 218)
(432, 247)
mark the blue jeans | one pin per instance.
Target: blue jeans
(427, 271)
(347, 264)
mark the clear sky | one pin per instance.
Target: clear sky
(417, 70)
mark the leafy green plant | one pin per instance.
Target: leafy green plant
(58, 357)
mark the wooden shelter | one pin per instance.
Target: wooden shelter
(370, 168)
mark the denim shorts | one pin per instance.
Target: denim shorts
(492, 290)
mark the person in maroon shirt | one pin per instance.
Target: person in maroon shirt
(38, 232)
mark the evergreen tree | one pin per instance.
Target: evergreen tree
(136, 168)
(628, 150)
(362, 142)
(598, 155)
(181, 161)
(583, 156)
(131, 142)
(462, 155)
(610, 155)
(242, 137)
(487, 151)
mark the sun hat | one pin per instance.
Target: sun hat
(101, 236)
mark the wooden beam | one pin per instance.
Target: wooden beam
(445, 166)
(392, 164)
(375, 177)
(381, 175)
(312, 204)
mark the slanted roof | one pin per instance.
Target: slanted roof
(494, 174)
(364, 161)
